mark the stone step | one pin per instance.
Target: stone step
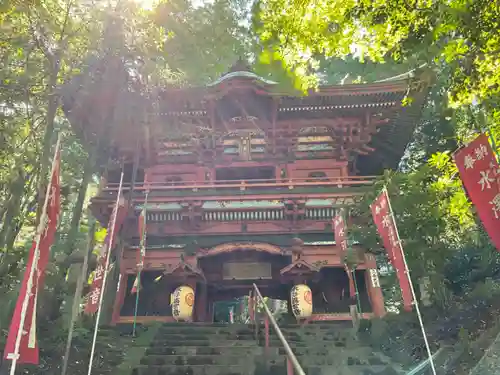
(311, 351)
(275, 342)
(223, 359)
(206, 342)
(208, 370)
(338, 359)
(317, 325)
(257, 370)
(353, 370)
(299, 338)
(270, 358)
(178, 338)
(197, 330)
(249, 350)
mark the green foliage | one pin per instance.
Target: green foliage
(441, 237)
(460, 37)
(202, 42)
(44, 45)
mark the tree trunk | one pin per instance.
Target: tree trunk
(47, 140)
(13, 208)
(78, 210)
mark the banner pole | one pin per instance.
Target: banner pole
(415, 302)
(106, 271)
(34, 263)
(141, 263)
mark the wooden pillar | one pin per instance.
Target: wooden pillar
(373, 286)
(201, 304)
(120, 297)
(210, 309)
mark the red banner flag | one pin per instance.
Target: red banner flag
(340, 235)
(339, 230)
(384, 220)
(480, 175)
(22, 343)
(117, 217)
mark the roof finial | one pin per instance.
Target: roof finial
(240, 66)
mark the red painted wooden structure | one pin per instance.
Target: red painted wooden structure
(243, 181)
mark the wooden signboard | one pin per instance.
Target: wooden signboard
(246, 271)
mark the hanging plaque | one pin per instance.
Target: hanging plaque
(246, 271)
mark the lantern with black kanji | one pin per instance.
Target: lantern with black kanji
(301, 299)
(183, 303)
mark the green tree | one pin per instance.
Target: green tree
(459, 35)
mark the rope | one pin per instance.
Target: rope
(105, 277)
(142, 249)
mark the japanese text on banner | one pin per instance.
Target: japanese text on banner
(384, 221)
(480, 174)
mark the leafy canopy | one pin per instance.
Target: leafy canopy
(460, 33)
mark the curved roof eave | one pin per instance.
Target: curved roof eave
(241, 74)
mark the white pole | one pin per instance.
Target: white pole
(415, 302)
(105, 277)
(34, 265)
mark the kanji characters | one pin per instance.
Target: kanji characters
(99, 272)
(336, 222)
(95, 295)
(392, 236)
(52, 196)
(343, 245)
(383, 203)
(386, 221)
(481, 152)
(485, 180)
(494, 169)
(496, 205)
(469, 162)
(374, 278)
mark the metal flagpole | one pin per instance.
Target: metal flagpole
(34, 263)
(106, 271)
(142, 252)
(415, 302)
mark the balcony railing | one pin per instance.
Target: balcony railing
(242, 185)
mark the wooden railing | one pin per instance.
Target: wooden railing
(339, 182)
(291, 358)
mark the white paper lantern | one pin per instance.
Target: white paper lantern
(183, 303)
(301, 298)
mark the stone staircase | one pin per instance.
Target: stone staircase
(202, 349)
(331, 348)
(222, 349)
